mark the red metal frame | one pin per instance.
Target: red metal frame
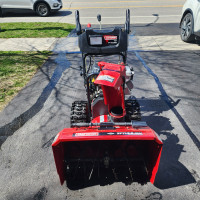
(93, 133)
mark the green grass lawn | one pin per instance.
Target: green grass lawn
(16, 70)
(35, 29)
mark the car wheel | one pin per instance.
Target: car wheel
(187, 28)
(1, 12)
(42, 9)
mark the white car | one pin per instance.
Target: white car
(190, 22)
(41, 7)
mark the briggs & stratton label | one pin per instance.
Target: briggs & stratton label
(120, 133)
(105, 133)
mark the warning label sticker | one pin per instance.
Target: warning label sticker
(106, 78)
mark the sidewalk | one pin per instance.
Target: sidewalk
(70, 44)
(56, 45)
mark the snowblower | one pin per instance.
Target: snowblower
(107, 141)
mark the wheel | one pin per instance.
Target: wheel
(187, 28)
(42, 9)
(132, 110)
(79, 112)
(1, 12)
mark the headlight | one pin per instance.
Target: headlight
(55, 5)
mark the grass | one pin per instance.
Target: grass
(35, 29)
(16, 70)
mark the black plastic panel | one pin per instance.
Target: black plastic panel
(114, 46)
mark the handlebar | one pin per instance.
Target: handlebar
(127, 23)
(78, 25)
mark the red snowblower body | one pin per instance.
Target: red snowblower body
(107, 141)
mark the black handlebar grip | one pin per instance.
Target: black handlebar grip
(127, 15)
(127, 21)
(78, 25)
(77, 17)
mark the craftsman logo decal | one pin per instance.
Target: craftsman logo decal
(85, 134)
(110, 37)
(106, 78)
(120, 133)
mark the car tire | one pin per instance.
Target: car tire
(187, 25)
(1, 12)
(42, 9)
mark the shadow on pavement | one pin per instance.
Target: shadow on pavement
(171, 173)
(30, 13)
(62, 64)
(196, 41)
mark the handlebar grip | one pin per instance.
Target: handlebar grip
(77, 16)
(127, 15)
(127, 23)
(78, 25)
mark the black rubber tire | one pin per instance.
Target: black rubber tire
(42, 9)
(132, 110)
(79, 112)
(1, 12)
(187, 25)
